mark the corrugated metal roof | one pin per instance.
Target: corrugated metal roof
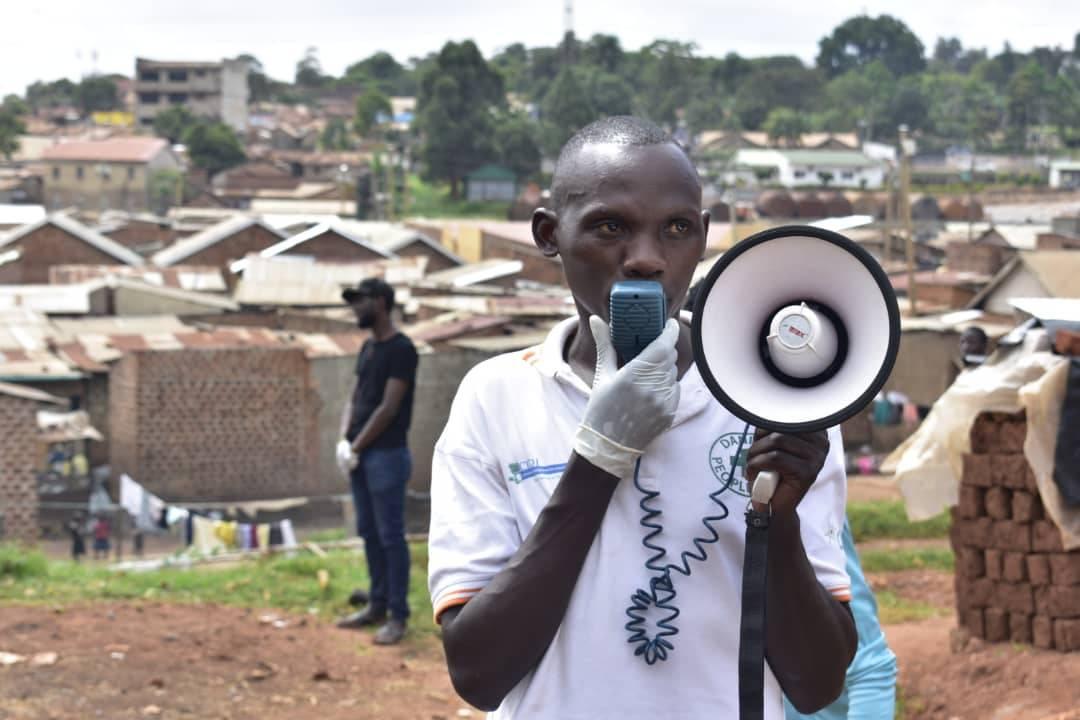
(473, 273)
(11, 215)
(520, 306)
(310, 234)
(212, 235)
(51, 299)
(452, 325)
(205, 278)
(302, 281)
(116, 149)
(80, 231)
(1057, 270)
(29, 393)
(394, 237)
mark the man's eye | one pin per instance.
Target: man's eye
(608, 227)
(679, 227)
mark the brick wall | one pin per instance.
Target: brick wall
(137, 235)
(436, 261)
(983, 259)
(223, 424)
(48, 246)
(332, 247)
(220, 254)
(1014, 580)
(535, 265)
(21, 453)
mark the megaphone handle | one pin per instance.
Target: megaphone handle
(764, 486)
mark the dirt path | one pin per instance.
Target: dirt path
(135, 661)
(132, 661)
(945, 675)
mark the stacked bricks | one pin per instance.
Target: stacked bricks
(1014, 580)
(215, 424)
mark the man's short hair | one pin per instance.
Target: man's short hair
(614, 130)
(371, 287)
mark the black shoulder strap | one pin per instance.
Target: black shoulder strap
(752, 625)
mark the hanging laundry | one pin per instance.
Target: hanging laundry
(288, 537)
(243, 536)
(205, 537)
(225, 530)
(262, 535)
(143, 506)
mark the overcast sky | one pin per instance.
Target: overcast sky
(57, 38)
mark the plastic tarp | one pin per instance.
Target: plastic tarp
(929, 464)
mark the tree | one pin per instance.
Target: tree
(947, 52)
(369, 107)
(59, 92)
(603, 52)
(309, 72)
(516, 145)
(171, 124)
(97, 92)
(962, 109)
(11, 125)
(165, 189)
(454, 112)
(610, 94)
(777, 82)
(213, 146)
(259, 85)
(512, 62)
(1028, 99)
(565, 109)
(861, 40)
(388, 75)
(785, 124)
(666, 79)
(335, 136)
(861, 99)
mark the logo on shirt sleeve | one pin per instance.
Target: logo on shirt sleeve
(725, 455)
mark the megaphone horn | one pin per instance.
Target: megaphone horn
(795, 329)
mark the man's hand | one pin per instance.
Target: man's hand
(629, 406)
(797, 459)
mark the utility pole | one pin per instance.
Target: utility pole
(907, 148)
(890, 217)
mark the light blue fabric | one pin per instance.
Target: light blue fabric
(870, 690)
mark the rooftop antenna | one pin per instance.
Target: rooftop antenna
(568, 17)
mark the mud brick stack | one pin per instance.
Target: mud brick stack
(1014, 580)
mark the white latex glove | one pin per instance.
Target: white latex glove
(346, 458)
(629, 406)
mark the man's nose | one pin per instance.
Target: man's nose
(644, 259)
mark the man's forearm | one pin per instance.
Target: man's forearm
(810, 636)
(346, 418)
(373, 428)
(503, 632)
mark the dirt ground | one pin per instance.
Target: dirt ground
(146, 660)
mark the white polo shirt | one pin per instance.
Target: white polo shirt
(497, 463)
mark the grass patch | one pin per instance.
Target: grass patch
(18, 562)
(888, 519)
(278, 581)
(433, 200)
(327, 535)
(905, 559)
(894, 609)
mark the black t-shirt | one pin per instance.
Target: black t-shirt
(394, 357)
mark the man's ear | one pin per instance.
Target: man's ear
(544, 224)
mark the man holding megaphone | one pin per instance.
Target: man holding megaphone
(587, 535)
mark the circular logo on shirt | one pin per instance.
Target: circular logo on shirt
(725, 455)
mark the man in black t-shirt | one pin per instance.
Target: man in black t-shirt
(375, 425)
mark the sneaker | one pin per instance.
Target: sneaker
(391, 632)
(370, 615)
(358, 598)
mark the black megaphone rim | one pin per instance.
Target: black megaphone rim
(871, 266)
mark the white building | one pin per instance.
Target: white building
(811, 168)
(1065, 174)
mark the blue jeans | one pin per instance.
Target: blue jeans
(870, 690)
(378, 490)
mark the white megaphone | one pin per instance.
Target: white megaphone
(795, 330)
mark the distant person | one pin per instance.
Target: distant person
(74, 528)
(375, 424)
(974, 347)
(101, 533)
